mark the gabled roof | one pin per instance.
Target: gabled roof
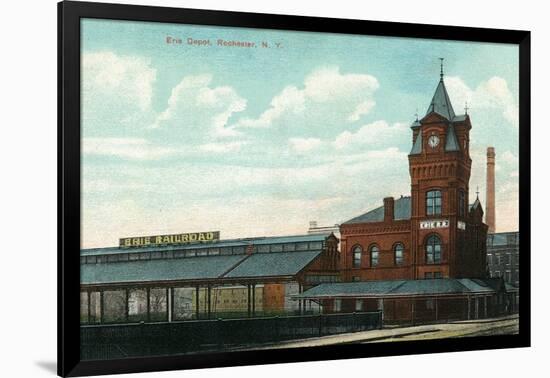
(451, 144)
(441, 104)
(401, 207)
(402, 288)
(283, 264)
(273, 264)
(417, 146)
(194, 268)
(475, 205)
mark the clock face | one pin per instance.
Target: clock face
(433, 141)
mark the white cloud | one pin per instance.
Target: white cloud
(509, 158)
(362, 108)
(125, 148)
(304, 144)
(194, 104)
(325, 84)
(349, 94)
(493, 94)
(222, 147)
(372, 134)
(290, 100)
(106, 75)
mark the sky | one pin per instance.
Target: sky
(260, 140)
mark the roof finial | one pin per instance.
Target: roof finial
(416, 114)
(477, 192)
(466, 108)
(441, 74)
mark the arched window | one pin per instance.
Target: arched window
(374, 252)
(433, 202)
(461, 203)
(398, 254)
(357, 252)
(433, 250)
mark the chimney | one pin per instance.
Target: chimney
(490, 198)
(388, 209)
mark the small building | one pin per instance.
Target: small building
(226, 278)
(417, 301)
(503, 256)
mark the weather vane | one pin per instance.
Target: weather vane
(466, 108)
(441, 74)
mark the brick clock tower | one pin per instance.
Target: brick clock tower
(440, 166)
(434, 233)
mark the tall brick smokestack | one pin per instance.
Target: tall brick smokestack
(490, 210)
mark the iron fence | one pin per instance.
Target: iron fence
(154, 339)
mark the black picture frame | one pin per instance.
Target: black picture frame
(69, 15)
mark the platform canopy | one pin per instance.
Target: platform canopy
(218, 269)
(404, 288)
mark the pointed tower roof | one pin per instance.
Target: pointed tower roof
(441, 104)
(417, 146)
(452, 142)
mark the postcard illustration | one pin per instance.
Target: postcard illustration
(253, 188)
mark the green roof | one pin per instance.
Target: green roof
(441, 104)
(194, 268)
(351, 289)
(501, 239)
(276, 264)
(273, 264)
(451, 144)
(398, 288)
(478, 285)
(417, 146)
(401, 207)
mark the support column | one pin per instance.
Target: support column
(412, 311)
(208, 292)
(469, 307)
(89, 307)
(477, 307)
(302, 302)
(197, 307)
(254, 300)
(249, 308)
(101, 307)
(436, 308)
(148, 304)
(127, 306)
(169, 300)
(485, 307)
